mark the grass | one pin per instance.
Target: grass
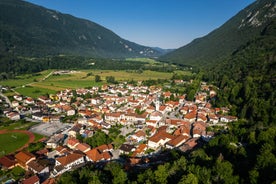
(6, 124)
(34, 92)
(26, 86)
(10, 142)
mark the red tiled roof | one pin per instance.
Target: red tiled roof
(65, 160)
(94, 155)
(178, 139)
(7, 162)
(31, 180)
(24, 156)
(83, 147)
(160, 135)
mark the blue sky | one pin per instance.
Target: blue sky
(161, 23)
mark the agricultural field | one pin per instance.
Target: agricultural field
(11, 141)
(45, 82)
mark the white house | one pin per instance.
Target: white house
(67, 162)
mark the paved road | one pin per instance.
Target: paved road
(6, 98)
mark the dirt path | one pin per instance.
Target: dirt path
(30, 134)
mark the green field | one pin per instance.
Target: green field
(34, 85)
(10, 142)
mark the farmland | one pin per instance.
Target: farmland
(36, 84)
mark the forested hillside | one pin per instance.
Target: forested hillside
(222, 42)
(30, 30)
(247, 80)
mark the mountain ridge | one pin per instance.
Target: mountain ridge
(31, 30)
(223, 41)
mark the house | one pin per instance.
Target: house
(31, 180)
(13, 115)
(152, 123)
(126, 148)
(100, 153)
(199, 128)
(83, 147)
(74, 130)
(23, 158)
(39, 168)
(183, 130)
(228, 119)
(113, 117)
(15, 103)
(18, 97)
(38, 116)
(105, 148)
(44, 99)
(29, 101)
(177, 141)
(67, 162)
(191, 117)
(55, 140)
(139, 136)
(189, 144)
(213, 118)
(159, 139)
(7, 162)
(72, 142)
(105, 125)
(184, 110)
(140, 150)
(201, 117)
(156, 116)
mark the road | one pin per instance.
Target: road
(6, 98)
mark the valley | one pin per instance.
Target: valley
(80, 104)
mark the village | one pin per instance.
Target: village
(149, 121)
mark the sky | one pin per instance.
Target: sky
(156, 23)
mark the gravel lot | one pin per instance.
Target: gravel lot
(49, 129)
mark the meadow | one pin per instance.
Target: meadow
(34, 85)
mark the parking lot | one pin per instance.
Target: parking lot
(49, 129)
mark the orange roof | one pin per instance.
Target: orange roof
(190, 115)
(104, 147)
(160, 135)
(141, 148)
(31, 180)
(49, 181)
(24, 156)
(94, 155)
(140, 133)
(178, 139)
(83, 147)
(72, 141)
(65, 160)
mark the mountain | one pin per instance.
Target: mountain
(30, 30)
(222, 42)
(162, 51)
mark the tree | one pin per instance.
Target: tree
(189, 179)
(110, 79)
(97, 78)
(161, 174)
